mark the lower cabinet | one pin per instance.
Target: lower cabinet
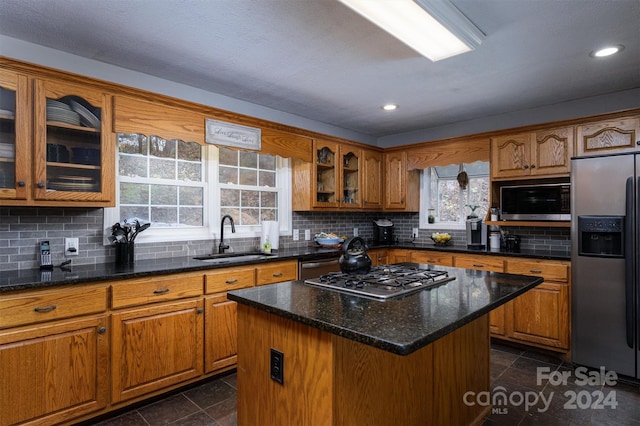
(379, 256)
(54, 372)
(432, 257)
(154, 347)
(221, 340)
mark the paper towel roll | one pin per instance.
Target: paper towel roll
(270, 229)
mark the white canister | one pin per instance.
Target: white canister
(494, 241)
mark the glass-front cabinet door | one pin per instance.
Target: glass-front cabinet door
(326, 174)
(74, 147)
(351, 194)
(14, 136)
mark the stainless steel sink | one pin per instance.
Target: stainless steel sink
(233, 257)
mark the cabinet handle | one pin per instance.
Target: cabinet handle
(231, 281)
(45, 309)
(164, 290)
(200, 310)
(478, 265)
(21, 183)
(433, 261)
(277, 274)
(535, 271)
(102, 330)
(40, 184)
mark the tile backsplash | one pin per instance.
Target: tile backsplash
(22, 228)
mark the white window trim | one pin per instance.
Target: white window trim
(425, 202)
(211, 214)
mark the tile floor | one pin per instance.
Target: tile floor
(513, 372)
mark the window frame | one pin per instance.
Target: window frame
(211, 202)
(426, 201)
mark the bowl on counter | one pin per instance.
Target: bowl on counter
(329, 242)
(441, 239)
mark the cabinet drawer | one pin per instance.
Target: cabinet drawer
(432, 258)
(230, 279)
(140, 291)
(269, 273)
(38, 306)
(482, 263)
(550, 271)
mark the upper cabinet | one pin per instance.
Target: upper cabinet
(544, 153)
(372, 169)
(74, 148)
(402, 187)
(71, 159)
(14, 137)
(609, 136)
(340, 176)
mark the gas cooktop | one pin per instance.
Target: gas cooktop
(383, 282)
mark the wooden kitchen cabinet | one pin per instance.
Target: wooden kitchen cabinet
(611, 136)
(158, 339)
(402, 187)
(497, 325)
(432, 257)
(543, 153)
(276, 272)
(221, 335)
(379, 256)
(74, 163)
(15, 153)
(54, 355)
(154, 347)
(541, 315)
(372, 179)
(399, 255)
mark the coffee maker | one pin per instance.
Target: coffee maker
(476, 234)
(382, 232)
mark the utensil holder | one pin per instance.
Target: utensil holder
(124, 253)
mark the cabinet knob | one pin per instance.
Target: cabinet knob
(526, 166)
(102, 330)
(638, 143)
(21, 183)
(533, 166)
(200, 310)
(40, 184)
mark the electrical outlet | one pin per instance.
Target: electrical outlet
(415, 232)
(296, 235)
(355, 232)
(71, 246)
(277, 366)
(307, 234)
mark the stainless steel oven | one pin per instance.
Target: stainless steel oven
(314, 268)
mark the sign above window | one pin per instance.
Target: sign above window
(234, 135)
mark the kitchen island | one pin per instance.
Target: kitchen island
(350, 360)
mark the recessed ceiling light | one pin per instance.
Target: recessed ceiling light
(606, 51)
(390, 107)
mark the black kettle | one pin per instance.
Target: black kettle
(354, 258)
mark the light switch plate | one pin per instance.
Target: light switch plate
(307, 234)
(355, 232)
(296, 235)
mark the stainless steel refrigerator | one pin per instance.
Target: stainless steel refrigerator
(605, 252)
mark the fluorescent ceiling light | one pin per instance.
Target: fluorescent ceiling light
(390, 107)
(433, 28)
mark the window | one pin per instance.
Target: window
(184, 188)
(443, 197)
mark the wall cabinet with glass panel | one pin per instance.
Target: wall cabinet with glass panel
(335, 177)
(14, 137)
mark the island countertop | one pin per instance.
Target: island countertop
(401, 325)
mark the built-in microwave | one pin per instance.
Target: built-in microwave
(536, 202)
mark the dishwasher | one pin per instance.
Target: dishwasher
(314, 268)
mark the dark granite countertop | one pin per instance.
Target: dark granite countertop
(401, 325)
(14, 280)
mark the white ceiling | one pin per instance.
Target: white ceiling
(320, 60)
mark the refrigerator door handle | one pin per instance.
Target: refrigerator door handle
(628, 262)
